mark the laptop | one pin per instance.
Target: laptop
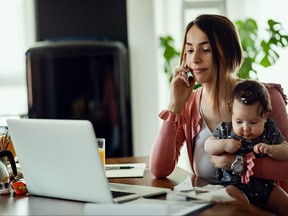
(60, 159)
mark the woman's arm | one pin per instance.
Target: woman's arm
(269, 168)
(166, 149)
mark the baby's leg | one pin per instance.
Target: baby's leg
(237, 193)
(278, 201)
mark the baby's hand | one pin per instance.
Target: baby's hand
(232, 145)
(262, 148)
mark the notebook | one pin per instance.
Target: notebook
(60, 159)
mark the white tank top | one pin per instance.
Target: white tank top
(202, 164)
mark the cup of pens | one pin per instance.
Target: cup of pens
(101, 149)
(5, 153)
(5, 141)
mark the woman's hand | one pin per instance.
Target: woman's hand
(223, 161)
(181, 89)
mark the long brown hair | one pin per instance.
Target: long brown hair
(222, 34)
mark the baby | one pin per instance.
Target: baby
(250, 134)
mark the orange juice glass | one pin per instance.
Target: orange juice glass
(101, 149)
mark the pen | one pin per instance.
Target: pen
(119, 167)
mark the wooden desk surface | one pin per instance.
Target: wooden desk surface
(148, 180)
(32, 205)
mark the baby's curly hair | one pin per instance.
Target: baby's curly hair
(250, 92)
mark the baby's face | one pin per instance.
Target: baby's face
(247, 121)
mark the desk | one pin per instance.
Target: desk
(32, 205)
(235, 208)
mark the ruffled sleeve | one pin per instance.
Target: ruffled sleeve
(172, 117)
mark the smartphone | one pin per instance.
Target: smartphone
(189, 75)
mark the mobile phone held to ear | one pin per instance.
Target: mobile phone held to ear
(189, 75)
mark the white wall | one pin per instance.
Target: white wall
(147, 21)
(17, 34)
(144, 79)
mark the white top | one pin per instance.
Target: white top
(202, 164)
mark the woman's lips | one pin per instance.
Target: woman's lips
(198, 70)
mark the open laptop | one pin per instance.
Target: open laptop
(60, 159)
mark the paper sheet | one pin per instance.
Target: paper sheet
(137, 170)
(207, 193)
(185, 185)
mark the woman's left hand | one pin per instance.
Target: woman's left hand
(223, 161)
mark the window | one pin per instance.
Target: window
(16, 23)
(192, 8)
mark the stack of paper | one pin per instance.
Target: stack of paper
(125, 170)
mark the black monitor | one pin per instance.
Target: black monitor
(77, 79)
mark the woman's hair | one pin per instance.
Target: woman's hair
(249, 92)
(223, 38)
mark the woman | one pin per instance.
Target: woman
(212, 52)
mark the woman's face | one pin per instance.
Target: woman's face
(199, 57)
(246, 120)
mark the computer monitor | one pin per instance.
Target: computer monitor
(83, 79)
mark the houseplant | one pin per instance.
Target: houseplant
(256, 50)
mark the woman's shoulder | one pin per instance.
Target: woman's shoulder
(276, 88)
(197, 92)
(195, 97)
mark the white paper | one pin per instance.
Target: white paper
(185, 185)
(220, 195)
(137, 171)
(209, 192)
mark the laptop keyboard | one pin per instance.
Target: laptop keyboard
(117, 194)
